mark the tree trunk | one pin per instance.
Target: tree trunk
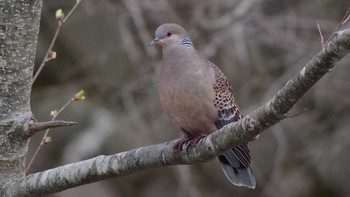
(19, 28)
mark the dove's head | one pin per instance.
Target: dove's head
(169, 34)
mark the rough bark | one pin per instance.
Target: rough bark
(128, 162)
(19, 27)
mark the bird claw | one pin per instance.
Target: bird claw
(190, 140)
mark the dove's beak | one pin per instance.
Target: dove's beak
(154, 41)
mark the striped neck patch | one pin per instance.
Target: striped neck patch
(186, 42)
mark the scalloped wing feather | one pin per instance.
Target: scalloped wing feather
(228, 111)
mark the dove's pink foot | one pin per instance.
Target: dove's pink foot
(190, 140)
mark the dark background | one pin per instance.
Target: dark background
(258, 44)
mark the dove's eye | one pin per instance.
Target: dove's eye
(169, 34)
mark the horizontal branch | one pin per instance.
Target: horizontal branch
(39, 126)
(103, 167)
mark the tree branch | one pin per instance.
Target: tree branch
(103, 167)
(39, 126)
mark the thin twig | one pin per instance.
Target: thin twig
(345, 18)
(39, 126)
(341, 24)
(71, 11)
(320, 32)
(60, 23)
(77, 97)
(296, 114)
(46, 58)
(42, 143)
